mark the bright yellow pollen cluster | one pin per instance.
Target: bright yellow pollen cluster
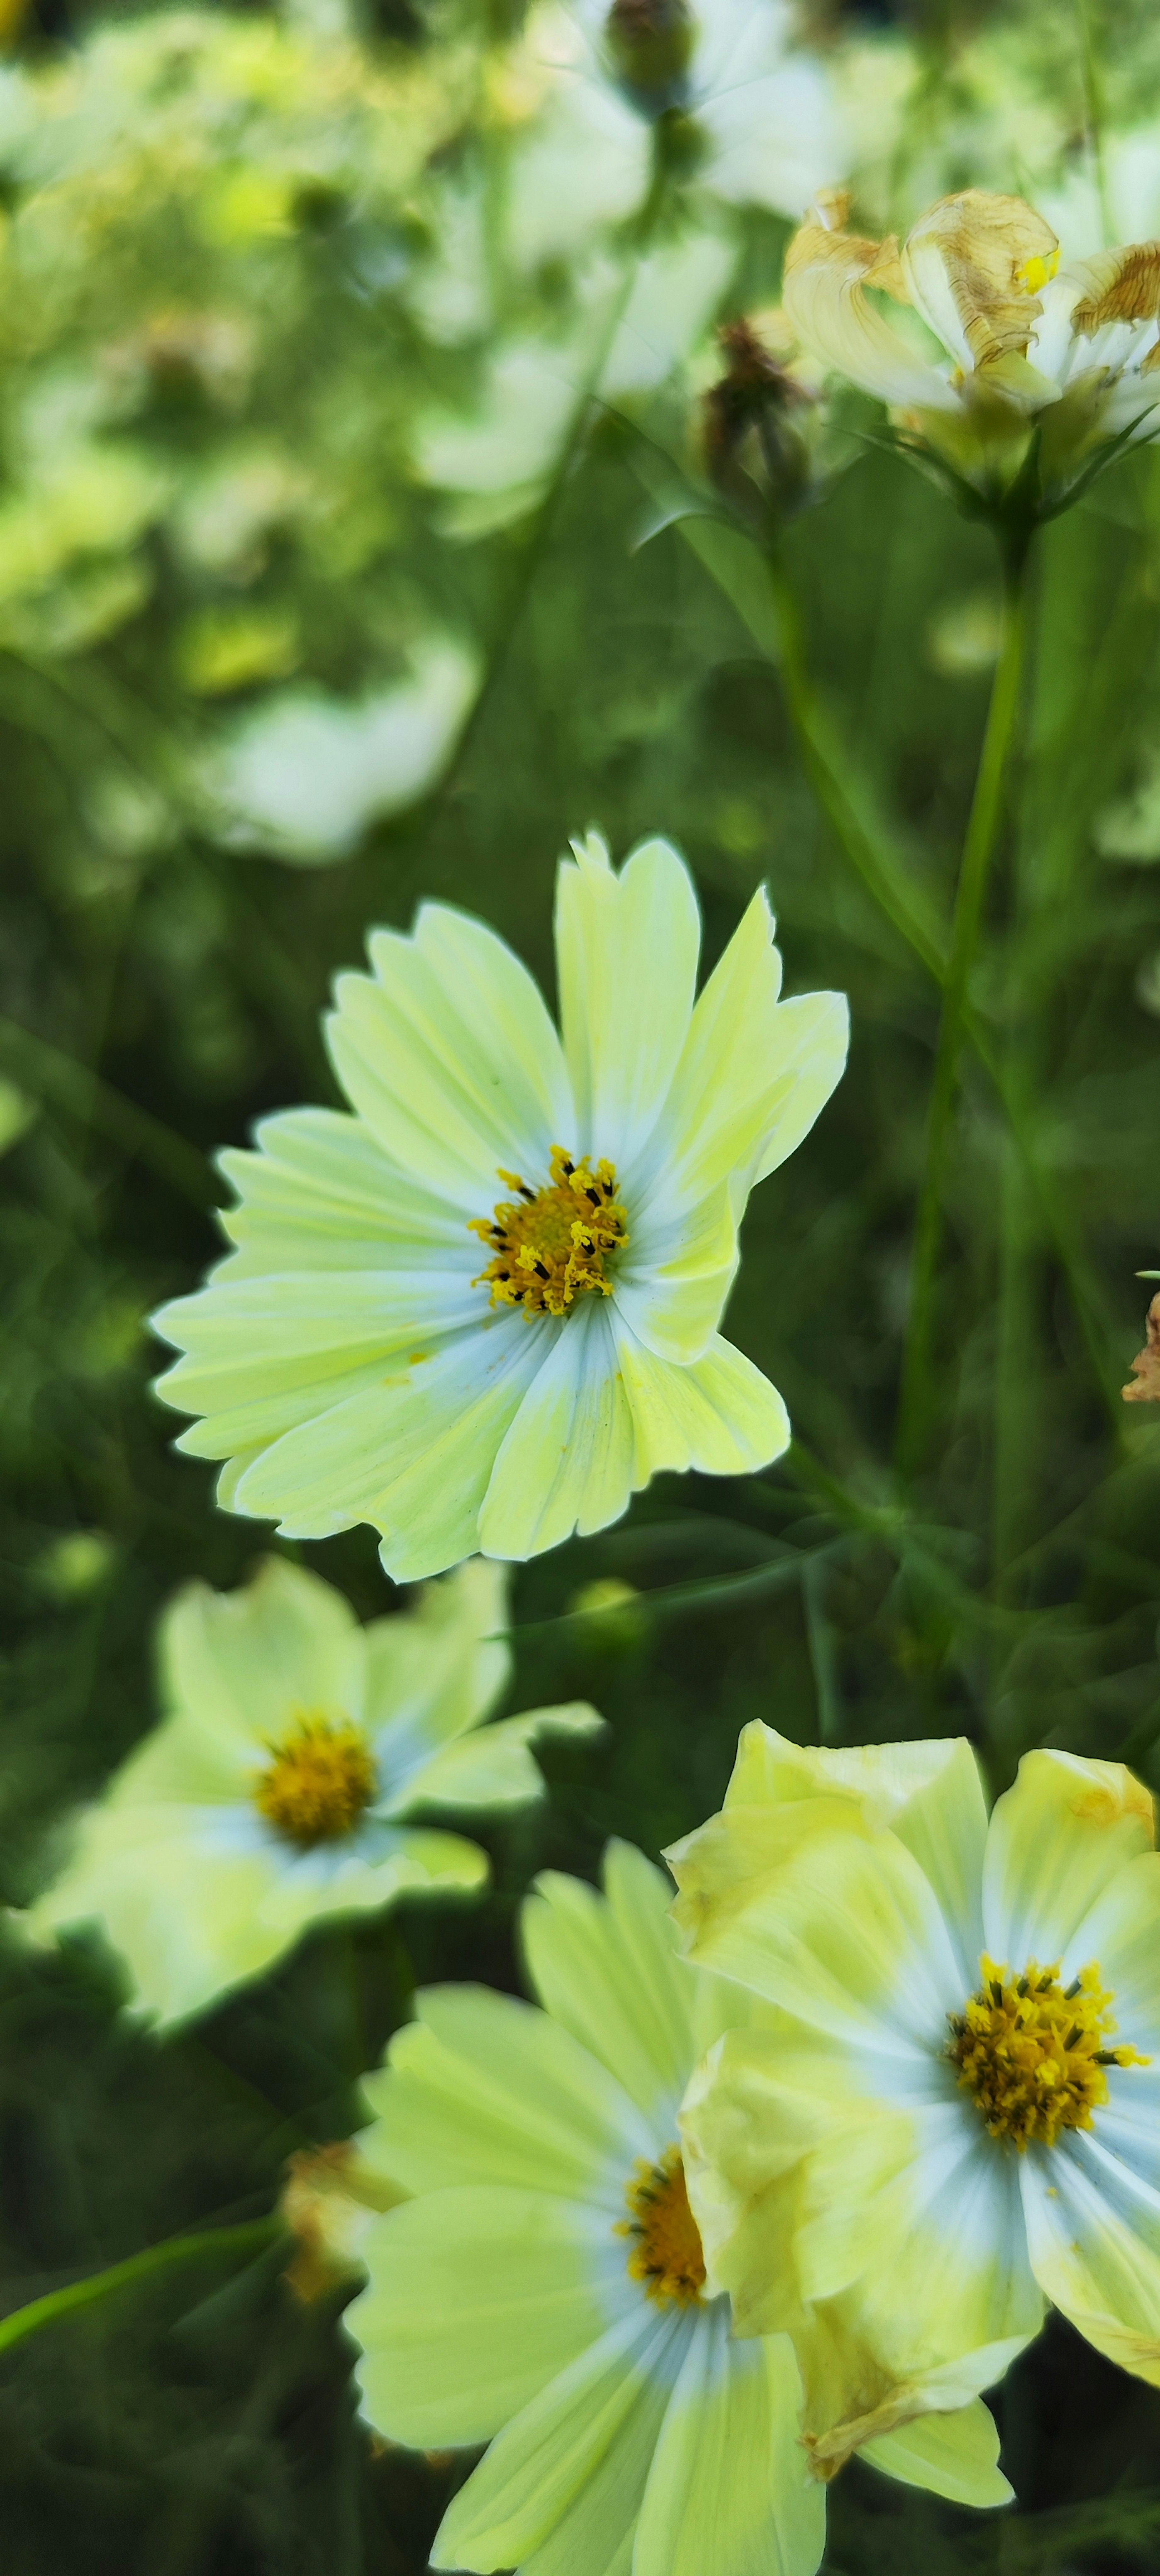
(319, 1782)
(550, 1246)
(1031, 2052)
(666, 2253)
(1037, 273)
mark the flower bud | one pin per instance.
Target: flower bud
(755, 422)
(650, 43)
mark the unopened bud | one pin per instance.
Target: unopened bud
(754, 421)
(650, 43)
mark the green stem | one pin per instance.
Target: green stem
(56, 1078)
(536, 536)
(978, 850)
(246, 2239)
(768, 609)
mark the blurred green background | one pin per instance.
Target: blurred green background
(323, 588)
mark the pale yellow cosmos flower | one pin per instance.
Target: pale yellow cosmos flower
(544, 2289)
(969, 2047)
(293, 1776)
(482, 1310)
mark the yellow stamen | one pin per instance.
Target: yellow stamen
(666, 2254)
(1031, 2052)
(1037, 273)
(550, 1246)
(320, 1780)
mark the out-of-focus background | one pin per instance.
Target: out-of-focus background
(345, 368)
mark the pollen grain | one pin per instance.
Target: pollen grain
(1033, 2054)
(666, 2254)
(551, 1246)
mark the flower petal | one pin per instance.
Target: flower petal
(560, 2490)
(434, 1674)
(1056, 1840)
(829, 1921)
(719, 1414)
(824, 294)
(730, 2486)
(319, 1193)
(607, 1970)
(673, 1278)
(266, 1354)
(447, 1051)
(568, 1459)
(954, 2455)
(754, 1071)
(483, 2088)
(1121, 1936)
(1093, 2228)
(476, 2299)
(414, 1457)
(494, 1766)
(604, 1415)
(626, 948)
(967, 262)
(188, 1925)
(929, 1794)
(246, 1660)
(367, 1870)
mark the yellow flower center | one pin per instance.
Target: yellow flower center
(551, 1246)
(319, 1781)
(1031, 2052)
(666, 2242)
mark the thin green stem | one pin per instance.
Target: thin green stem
(57, 1079)
(978, 850)
(1093, 104)
(536, 536)
(768, 609)
(249, 2238)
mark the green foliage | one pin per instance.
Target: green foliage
(223, 327)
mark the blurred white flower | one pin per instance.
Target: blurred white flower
(303, 776)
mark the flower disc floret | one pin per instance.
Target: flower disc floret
(667, 2254)
(1031, 2051)
(551, 1245)
(318, 1783)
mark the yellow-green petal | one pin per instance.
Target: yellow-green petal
(560, 2489)
(483, 2088)
(476, 2299)
(730, 2487)
(954, 2454)
(606, 1969)
(1057, 1839)
(626, 948)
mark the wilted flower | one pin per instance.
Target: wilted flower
(1145, 1385)
(330, 2200)
(545, 2290)
(1018, 375)
(758, 425)
(970, 2043)
(280, 1788)
(483, 1311)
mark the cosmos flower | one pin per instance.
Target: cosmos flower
(280, 1787)
(1005, 364)
(481, 1311)
(545, 2289)
(970, 2045)
(757, 119)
